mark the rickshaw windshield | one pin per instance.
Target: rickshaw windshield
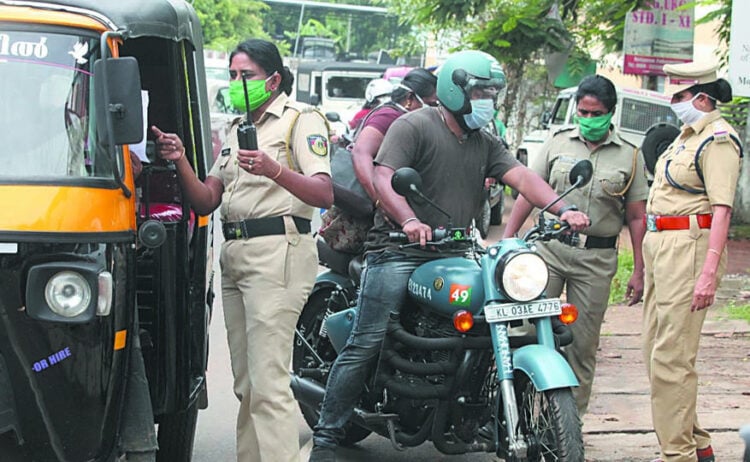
(47, 112)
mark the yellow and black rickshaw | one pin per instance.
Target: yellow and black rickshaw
(105, 279)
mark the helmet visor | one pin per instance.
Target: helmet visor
(485, 88)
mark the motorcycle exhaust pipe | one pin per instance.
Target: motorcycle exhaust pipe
(307, 391)
(311, 393)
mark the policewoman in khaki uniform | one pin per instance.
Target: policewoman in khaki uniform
(617, 194)
(689, 208)
(269, 258)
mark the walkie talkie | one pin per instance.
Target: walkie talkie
(246, 134)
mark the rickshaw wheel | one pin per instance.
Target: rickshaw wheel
(177, 434)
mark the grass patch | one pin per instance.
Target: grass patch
(620, 282)
(739, 232)
(735, 311)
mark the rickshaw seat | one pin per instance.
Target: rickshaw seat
(167, 213)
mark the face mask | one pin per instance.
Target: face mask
(482, 111)
(256, 94)
(594, 128)
(687, 113)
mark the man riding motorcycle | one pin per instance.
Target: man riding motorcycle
(433, 141)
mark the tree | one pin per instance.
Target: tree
(369, 32)
(521, 33)
(228, 22)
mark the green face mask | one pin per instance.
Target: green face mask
(256, 94)
(594, 128)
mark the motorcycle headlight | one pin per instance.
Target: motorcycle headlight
(68, 294)
(522, 276)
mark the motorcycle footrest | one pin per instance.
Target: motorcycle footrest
(375, 418)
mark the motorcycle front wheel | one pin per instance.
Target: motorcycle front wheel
(309, 327)
(549, 422)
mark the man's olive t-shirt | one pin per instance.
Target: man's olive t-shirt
(452, 171)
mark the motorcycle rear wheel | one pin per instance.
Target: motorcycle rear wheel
(549, 421)
(309, 324)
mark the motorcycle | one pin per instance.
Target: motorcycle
(449, 370)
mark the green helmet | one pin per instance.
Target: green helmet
(463, 72)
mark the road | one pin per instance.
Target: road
(618, 426)
(215, 438)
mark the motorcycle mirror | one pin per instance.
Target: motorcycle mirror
(579, 176)
(406, 181)
(581, 173)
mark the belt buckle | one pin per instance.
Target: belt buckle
(651, 223)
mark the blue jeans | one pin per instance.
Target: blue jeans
(383, 291)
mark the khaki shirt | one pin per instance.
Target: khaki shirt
(604, 198)
(719, 161)
(255, 196)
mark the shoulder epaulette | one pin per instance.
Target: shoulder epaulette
(564, 128)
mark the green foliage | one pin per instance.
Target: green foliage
(735, 311)
(722, 13)
(228, 22)
(369, 31)
(619, 285)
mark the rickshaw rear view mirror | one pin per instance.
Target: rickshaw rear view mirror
(581, 173)
(118, 93)
(406, 181)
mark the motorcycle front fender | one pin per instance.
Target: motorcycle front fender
(546, 368)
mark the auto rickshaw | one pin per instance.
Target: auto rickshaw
(105, 279)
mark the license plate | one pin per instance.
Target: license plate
(502, 312)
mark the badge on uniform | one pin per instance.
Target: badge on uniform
(225, 151)
(318, 145)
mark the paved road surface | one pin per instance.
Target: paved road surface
(618, 427)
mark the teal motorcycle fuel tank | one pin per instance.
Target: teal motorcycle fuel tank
(447, 285)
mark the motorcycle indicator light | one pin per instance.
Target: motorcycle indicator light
(463, 321)
(569, 313)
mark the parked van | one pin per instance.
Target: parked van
(637, 110)
(336, 86)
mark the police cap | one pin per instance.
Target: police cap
(682, 76)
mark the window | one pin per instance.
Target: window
(47, 115)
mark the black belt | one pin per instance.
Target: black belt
(255, 227)
(593, 242)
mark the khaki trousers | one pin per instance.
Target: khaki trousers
(265, 283)
(671, 334)
(586, 275)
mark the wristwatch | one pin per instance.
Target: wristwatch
(566, 208)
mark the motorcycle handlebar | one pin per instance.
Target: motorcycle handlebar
(548, 229)
(439, 236)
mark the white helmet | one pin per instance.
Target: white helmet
(377, 88)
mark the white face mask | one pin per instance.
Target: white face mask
(688, 113)
(482, 111)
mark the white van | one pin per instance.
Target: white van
(335, 87)
(637, 110)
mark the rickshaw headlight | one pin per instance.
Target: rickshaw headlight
(522, 276)
(68, 294)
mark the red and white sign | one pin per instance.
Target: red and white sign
(659, 35)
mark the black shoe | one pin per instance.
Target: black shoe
(322, 454)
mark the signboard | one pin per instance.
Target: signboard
(739, 49)
(659, 35)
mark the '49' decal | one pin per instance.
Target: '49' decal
(459, 295)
